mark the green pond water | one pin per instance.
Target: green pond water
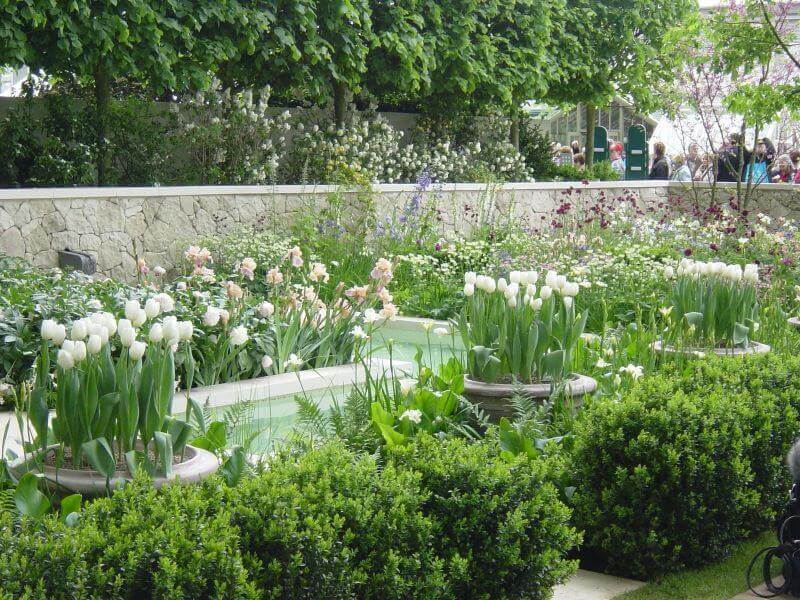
(267, 421)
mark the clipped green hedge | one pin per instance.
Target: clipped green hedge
(686, 463)
(435, 520)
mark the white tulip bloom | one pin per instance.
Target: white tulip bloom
(491, 285)
(127, 337)
(545, 292)
(65, 360)
(266, 362)
(561, 282)
(511, 302)
(469, 289)
(568, 302)
(530, 290)
(750, 274)
(136, 350)
(531, 277)
(551, 280)
(79, 330)
(132, 309)
(511, 291)
(169, 326)
(166, 302)
(94, 344)
(515, 276)
(185, 330)
(239, 336)
(571, 289)
(536, 304)
(152, 308)
(79, 351)
(669, 272)
(156, 333)
(502, 285)
(470, 277)
(110, 323)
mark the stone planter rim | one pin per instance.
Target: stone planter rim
(752, 348)
(198, 465)
(576, 385)
(794, 321)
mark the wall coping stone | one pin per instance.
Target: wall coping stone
(261, 190)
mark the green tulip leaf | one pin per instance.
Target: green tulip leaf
(100, 456)
(28, 499)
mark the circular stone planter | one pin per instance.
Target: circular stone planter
(197, 465)
(494, 397)
(794, 322)
(753, 348)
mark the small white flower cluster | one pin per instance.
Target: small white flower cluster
(88, 335)
(733, 272)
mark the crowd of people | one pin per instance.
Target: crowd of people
(734, 161)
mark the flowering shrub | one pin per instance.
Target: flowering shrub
(714, 303)
(229, 137)
(514, 331)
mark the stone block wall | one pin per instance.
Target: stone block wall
(117, 224)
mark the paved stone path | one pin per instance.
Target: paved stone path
(588, 585)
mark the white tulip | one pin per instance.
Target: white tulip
(512, 301)
(531, 277)
(152, 308)
(156, 333)
(101, 332)
(536, 304)
(530, 290)
(750, 273)
(551, 280)
(515, 276)
(239, 336)
(266, 309)
(169, 326)
(266, 362)
(469, 290)
(79, 351)
(669, 272)
(94, 344)
(570, 289)
(470, 277)
(568, 302)
(502, 285)
(140, 318)
(511, 291)
(132, 309)
(136, 350)
(561, 281)
(110, 323)
(491, 285)
(65, 360)
(211, 316)
(545, 292)
(127, 337)
(185, 330)
(166, 301)
(79, 330)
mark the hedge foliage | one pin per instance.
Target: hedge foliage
(686, 463)
(436, 520)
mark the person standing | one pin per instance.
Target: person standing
(576, 147)
(617, 162)
(660, 166)
(785, 172)
(693, 158)
(732, 159)
(682, 171)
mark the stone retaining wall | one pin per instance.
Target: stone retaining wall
(113, 223)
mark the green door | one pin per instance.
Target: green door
(636, 153)
(600, 144)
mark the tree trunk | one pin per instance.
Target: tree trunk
(591, 121)
(102, 97)
(339, 103)
(514, 133)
